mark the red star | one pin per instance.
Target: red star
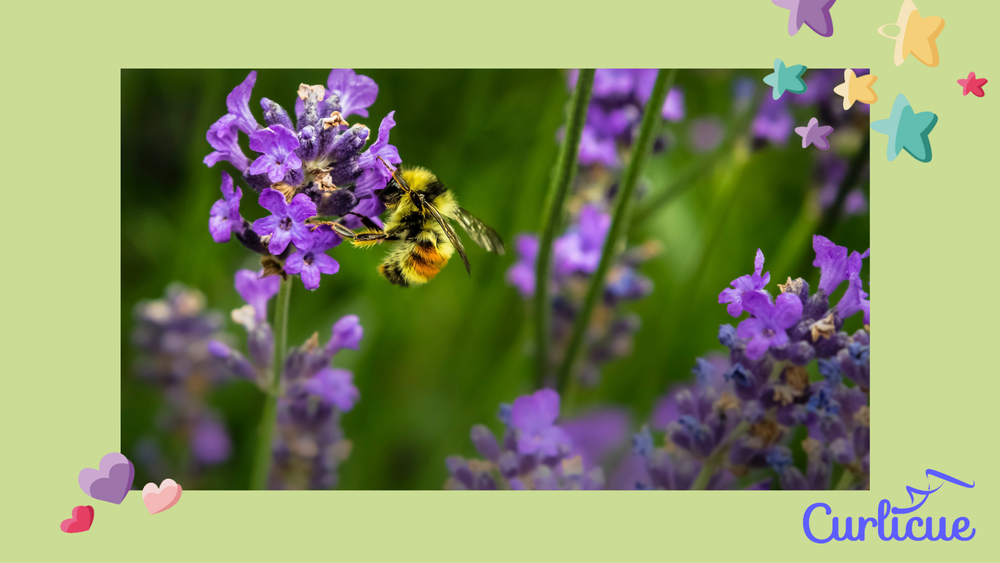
(972, 84)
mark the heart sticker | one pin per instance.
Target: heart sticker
(158, 499)
(83, 517)
(111, 481)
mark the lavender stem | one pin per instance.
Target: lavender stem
(650, 119)
(268, 419)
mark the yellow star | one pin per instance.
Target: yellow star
(916, 35)
(857, 89)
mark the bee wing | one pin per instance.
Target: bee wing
(448, 231)
(481, 233)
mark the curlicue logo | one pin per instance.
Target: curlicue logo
(915, 528)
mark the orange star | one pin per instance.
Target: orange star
(857, 89)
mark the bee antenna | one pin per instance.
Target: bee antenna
(399, 181)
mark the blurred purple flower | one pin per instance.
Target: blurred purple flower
(278, 145)
(745, 284)
(335, 386)
(535, 416)
(673, 106)
(579, 250)
(597, 433)
(210, 442)
(522, 274)
(346, 334)
(595, 149)
(773, 121)
(768, 324)
(257, 290)
(706, 133)
(224, 216)
(287, 221)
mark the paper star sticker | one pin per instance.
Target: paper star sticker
(973, 85)
(814, 134)
(786, 78)
(856, 89)
(916, 35)
(907, 130)
(813, 13)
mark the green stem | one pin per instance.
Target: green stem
(846, 478)
(650, 120)
(714, 461)
(558, 190)
(689, 176)
(262, 457)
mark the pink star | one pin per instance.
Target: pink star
(814, 134)
(973, 85)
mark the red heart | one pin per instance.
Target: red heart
(83, 517)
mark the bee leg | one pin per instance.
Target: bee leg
(366, 221)
(343, 231)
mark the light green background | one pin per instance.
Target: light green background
(935, 401)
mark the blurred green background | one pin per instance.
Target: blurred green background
(490, 135)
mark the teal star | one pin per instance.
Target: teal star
(786, 78)
(907, 130)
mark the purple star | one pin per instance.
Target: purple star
(813, 13)
(286, 224)
(745, 284)
(815, 134)
(225, 213)
(766, 328)
(278, 145)
(310, 259)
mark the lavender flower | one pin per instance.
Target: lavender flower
(287, 220)
(256, 290)
(306, 172)
(224, 217)
(278, 145)
(725, 427)
(750, 283)
(522, 274)
(310, 260)
(335, 386)
(773, 122)
(766, 328)
(534, 454)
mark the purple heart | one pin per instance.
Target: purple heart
(111, 481)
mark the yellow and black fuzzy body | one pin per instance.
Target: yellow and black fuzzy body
(423, 240)
(423, 247)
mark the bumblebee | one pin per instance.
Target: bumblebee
(420, 208)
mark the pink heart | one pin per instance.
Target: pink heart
(158, 499)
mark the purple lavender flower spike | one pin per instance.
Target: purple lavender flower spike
(257, 290)
(767, 326)
(235, 362)
(223, 136)
(745, 284)
(238, 104)
(356, 91)
(580, 249)
(310, 260)
(522, 274)
(274, 114)
(335, 386)
(286, 223)
(278, 145)
(224, 217)
(535, 415)
(347, 334)
(374, 175)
